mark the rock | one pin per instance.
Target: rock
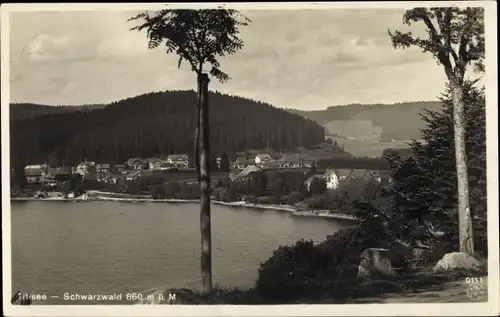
(375, 262)
(457, 260)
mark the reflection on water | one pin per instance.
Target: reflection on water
(111, 247)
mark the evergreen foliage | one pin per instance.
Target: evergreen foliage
(423, 193)
(154, 124)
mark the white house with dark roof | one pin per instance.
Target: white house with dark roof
(135, 163)
(103, 168)
(34, 173)
(179, 160)
(85, 167)
(155, 163)
(334, 176)
(263, 158)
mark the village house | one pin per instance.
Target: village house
(103, 168)
(167, 167)
(269, 165)
(57, 174)
(241, 163)
(85, 167)
(263, 158)
(179, 160)
(34, 173)
(290, 160)
(47, 194)
(244, 174)
(108, 179)
(251, 159)
(253, 153)
(155, 163)
(334, 176)
(131, 176)
(158, 164)
(136, 164)
(118, 168)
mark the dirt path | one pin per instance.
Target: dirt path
(451, 292)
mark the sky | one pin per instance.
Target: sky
(302, 59)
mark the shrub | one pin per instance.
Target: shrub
(232, 194)
(186, 192)
(266, 200)
(258, 183)
(133, 188)
(285, 273)
(172, 189)
(318, 186)
(225, 182)
(196, 191)
(158, 192)
(317, 202)
(220, 194)
(292, 270)
(292, 198)
(344, 250)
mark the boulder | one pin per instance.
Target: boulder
(375, 262)
(457, 261)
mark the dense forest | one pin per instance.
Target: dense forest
(154, 124)
(399, 121)
(30, 110)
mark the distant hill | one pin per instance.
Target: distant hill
(400, 121)
(31, 110)
(149, 125)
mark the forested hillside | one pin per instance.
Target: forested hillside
(31, 110)
(154, 124)
(399, 121)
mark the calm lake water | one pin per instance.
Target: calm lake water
(113, 247)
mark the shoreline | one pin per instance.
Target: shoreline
(280, 208)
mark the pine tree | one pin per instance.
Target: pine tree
(424, 189)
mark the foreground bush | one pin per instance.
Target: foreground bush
(295, 270)
(286, 273)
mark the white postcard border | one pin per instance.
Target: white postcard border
(465, 309)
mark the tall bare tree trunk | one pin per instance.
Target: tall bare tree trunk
(206, 243)
(464, 214)
(197, 132)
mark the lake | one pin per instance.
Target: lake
(115, 247)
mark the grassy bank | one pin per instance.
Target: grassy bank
(415, 287)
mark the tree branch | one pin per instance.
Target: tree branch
(441, 51)
(462, 51)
